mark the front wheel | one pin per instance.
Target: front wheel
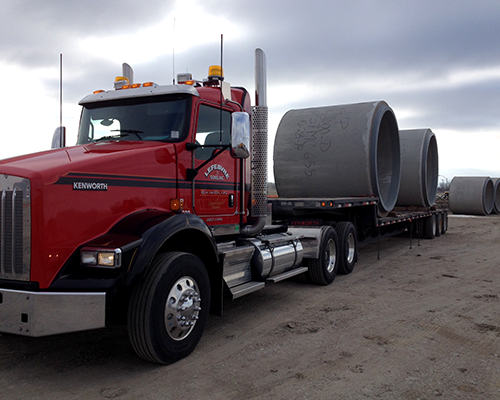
(169, 309)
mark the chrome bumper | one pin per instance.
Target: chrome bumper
(42, 314)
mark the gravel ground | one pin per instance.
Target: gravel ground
(421, 322)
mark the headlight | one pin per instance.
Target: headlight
(101, 258)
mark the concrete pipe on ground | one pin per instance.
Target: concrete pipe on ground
(419, 168)
(496, 194)
(339, 151)
(471, 195)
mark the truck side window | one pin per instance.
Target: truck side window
(208, 130)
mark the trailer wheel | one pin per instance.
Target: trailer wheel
(322, 271)
(439, 224)
(169, 309)
(430, 227)
(444, 226)
(348, 246)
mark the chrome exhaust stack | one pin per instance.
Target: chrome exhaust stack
(258, 209)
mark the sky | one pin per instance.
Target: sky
(435, 62)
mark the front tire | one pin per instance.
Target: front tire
(169, 309)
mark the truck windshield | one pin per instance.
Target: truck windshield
(158, 119)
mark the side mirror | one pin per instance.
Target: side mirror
(240, 135)
(59, 138)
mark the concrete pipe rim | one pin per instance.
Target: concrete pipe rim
(430, 169)
(488, 196)
(496, 195)
(385, 176)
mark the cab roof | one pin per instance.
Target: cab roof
(154, 90)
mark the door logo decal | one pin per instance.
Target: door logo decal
(217, 172)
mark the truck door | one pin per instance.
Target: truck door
(216, 195)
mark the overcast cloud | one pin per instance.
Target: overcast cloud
(436, 62)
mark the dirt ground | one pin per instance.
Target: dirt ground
(420, 323)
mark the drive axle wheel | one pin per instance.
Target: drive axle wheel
(169, 309)
(322, 271)
(348, 246)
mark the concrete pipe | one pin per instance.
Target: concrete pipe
(339, 151)
(496, 195)
(471, 195)
(419, 168)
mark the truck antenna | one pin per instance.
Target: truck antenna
(173, 56)
(222, 74)
(60, 89)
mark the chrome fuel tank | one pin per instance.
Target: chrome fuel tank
(275, 254)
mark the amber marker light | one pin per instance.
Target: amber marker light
(148, 84)
(176, 204)
(215, 71)
(136, 85)
(98, 91)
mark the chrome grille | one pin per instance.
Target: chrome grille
(15, 228)
(259, 161)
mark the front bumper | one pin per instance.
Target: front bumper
(42, 314)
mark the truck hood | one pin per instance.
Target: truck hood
(79, 193)
(104, 157)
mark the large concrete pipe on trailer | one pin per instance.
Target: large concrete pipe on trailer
(419, 168)
(339, 151)
(471, 195)
(419, 178)
(496, 195)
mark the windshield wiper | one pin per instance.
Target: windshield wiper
(107, 138)
(123, 133)
(127, 131)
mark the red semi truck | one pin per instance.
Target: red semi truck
(161, 209)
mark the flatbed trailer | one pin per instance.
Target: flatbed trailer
(362, 212)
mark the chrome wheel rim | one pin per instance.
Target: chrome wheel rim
(350, 248)
(182, 308)
(330, 255)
